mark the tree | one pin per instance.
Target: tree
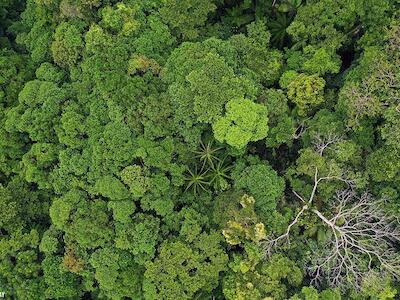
(35, 31)
(84, 221)
(20, 265)
(67, 44)
(38, 110)
(133, 177)
(327, 23)
(240, 124)
(362, 234)
(116, 273)
(281, 125)
(60, 283)
(37, 163)
(314, 60)
(244, 226)
(311, 293)
(361, 229)
(159, 149)
(377, 285)
(264, 64)
(112, 188)
(372, 86)
(263, 183)
(138, 236)
(181, 269)
(263, 279)
(306, 91)
(383, 164)
(186, 16)
(202, 79)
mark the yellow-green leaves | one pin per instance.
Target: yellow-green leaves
(133, 177)
(245, 227)
(306, 91)
(110, 187)
(120, 18)
(244, 121)
(67, 45)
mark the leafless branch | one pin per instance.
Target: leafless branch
(322, 143)
(299, 131)
(272, 242)
(363, 236)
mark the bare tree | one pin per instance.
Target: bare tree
(271, 243)
(363, 236)
(322, 143)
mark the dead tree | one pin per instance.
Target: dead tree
(363, 236)
(271, 243)
(322, 143)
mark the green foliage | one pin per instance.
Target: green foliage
(324, 23)
(207, 153)
(138, 236)
(20, 265)
(383, 164)
(22, 207)
(202, 83)
(281, 125)
(219, 175)
(116, 273)
(278, 28)
(112, 188)
(241, 123)
(244, 226)
(376, 286)
(37, 111)
(262, 182)
(196, 180)
(60, 283)
(265, 64)
(261, 280)
(306, 91)
(183, 269)
(84, 221)
(37, 163)
(120, 18)
(310, 293)
(371, 85)
(35, 31)
(156, 149)
(49, 72)
(67, 44)
(133, 177)
(202, 80)
(186, 16)
(211, 172)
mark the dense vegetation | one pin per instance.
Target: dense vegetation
(200, 149)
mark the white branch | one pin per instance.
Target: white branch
(274, 242)
(271, 243)
(360, 230)
(363, 237)
(322, 143)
